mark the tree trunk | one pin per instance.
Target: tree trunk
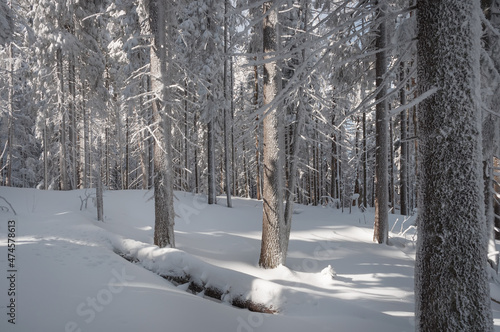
(403, 159)
(257, 132)
(489, 125)
(212, 198)
(163, 174)
(187, 186)
(491, 131)
(451, 279)
(144, 151)
(272, 252)
(126, 180)
(380, 234)
(292, 180)
(62, 131)
(392, 193)
(72, 119)
(233, 146)
(196, 177)
(87, 183)
(365, 166)
(10, 124)
(45, 157)
(227, 117)
(99, 193)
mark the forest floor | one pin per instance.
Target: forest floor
(67, 273)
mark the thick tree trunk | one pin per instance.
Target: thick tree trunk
(451, 285)
(163, 174)
(381, 230)
(272, 252)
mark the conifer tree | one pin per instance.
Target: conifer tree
(451, 285)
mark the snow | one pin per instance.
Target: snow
(70, 278)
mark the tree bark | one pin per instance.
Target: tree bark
(227, 117)
(257, 133)
(272, 247)
(212, 198)
(99, 189)
(403, 159)
(62, 158)
(451, 279)
(10, 124)
(163, 174)
(381, 230)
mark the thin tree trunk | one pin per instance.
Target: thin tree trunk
(99, 189)
(106, 156)
(233, 146)
(245, 170)
(212, 198)
(45, 158)
(294, 148)
(143, 154)
(72, 119)
(292, 180)
(86, 141)
(392, 193)
(380, 234)
(127, 149)
(365, 163)
(62, 131)
(150, 140)
(333, 192)
(489, 125)
(403, 159)
(10, 125)
(257, 132)
(196, 176)
(227, 117)
(186, 135)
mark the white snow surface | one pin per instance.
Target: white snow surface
(69, 278)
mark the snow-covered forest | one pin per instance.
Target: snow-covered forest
(316, 122)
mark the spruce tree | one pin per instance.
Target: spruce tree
(451, 287)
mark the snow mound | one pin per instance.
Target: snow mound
(183, 268)
(328, 272)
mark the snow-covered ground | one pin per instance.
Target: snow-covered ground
(67, 275)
